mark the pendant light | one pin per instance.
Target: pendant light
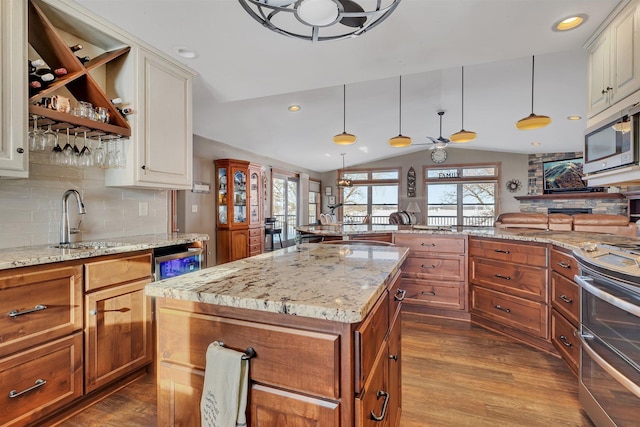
(533, 121)
(463, 135)
(400, 140)
(343, 182)
(344, 138)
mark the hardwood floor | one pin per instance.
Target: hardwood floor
(454, 374)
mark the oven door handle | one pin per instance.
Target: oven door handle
(586, 283)
(617, 375)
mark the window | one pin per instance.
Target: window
(462, 195)
(374, 195)
(284, 204)
(314, 201)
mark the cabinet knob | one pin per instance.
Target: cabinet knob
(20, 150)
(143, 167)
(93, 312)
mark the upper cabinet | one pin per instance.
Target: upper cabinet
(614, 61)
(14, 158)
(157, 132)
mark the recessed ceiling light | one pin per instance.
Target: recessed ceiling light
(185, 52)
(536, 143)
(570, 22)
(574, 118)
(363, 149)
(294, 108)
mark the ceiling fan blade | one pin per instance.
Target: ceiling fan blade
(352, 21)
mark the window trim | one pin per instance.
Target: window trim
(371, 182)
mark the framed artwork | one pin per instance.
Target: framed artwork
(327, 191)
(332, 200)
(411, 182)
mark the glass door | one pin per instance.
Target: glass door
(284, 194)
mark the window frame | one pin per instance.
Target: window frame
(369, 182)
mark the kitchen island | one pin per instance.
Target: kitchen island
(323, 322)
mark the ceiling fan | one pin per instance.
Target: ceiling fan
(439, 142)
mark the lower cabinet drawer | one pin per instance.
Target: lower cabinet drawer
(563, 338)
(520, 280)
(274, 407)
(437, 267)
(372, 404)
(446, 295)
(38, 381)
(289, 358)
(255, 249)
(369, 338)
(565, 297)
(521, 314)
(255, 232)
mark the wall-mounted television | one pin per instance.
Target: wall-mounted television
(564, 175)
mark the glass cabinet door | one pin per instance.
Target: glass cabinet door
(239, 197)
(222, 196)
(254, 200)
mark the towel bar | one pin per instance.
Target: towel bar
(248, 353)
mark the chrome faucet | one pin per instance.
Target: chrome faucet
(65, 230)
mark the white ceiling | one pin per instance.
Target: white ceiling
(248, 75)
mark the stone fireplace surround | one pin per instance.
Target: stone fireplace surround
(617, 206)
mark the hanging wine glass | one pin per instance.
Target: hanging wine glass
(67, 151)
(85, 153)
(35, 136)
(50, 139)
(99, 154)
(121, 160)
(56, 152)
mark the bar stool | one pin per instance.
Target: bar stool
(271, 230)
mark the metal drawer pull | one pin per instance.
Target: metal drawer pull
(16, 313)
(432, 293)
(249, 353)
(428, 244)
(502, 251)
(564, 264)
(565, 299)
(16, 393)
(499, 307)
(384, 406)
(503, 277)
(402, 292)
(428, 266)
(565, 342)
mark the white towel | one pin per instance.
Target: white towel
(226, 384)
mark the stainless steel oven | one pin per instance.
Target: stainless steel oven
(609, 386)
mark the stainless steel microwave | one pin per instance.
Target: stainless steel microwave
(613, 142)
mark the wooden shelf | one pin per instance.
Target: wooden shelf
(79, 124)
(576, 195)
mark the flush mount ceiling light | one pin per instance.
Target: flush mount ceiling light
(344, 138)
(343, 182)
(462, 135)
(319, 20)
(573, 118)
(185, 52)
(293, 108)
(400, 140)
(533, 121)
(570, 22)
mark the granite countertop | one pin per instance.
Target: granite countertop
(43, 254)
(333, 282)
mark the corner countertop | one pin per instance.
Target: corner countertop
(331, 282)
(44, 254)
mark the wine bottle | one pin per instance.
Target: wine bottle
(35, 64)
(76, 47)
(83, 59)
(57, 72)
(116, 101)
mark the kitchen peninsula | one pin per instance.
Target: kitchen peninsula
(323, 322)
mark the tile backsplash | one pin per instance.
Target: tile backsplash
(30, 209)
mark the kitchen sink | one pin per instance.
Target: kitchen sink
(87, 245)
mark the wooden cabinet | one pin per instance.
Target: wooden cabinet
(14, 157)
(118, 337)
(614, 68)
(509, 290)
(434, 275)
(306, 371)
(239, 201)
(40, 341)
(565, 306)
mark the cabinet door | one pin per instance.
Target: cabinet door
(239, 244)
(117, 333)
(598, 75)
(625, 55)
(275, 407)
(165, 148)
(14, 157)
(372, 405)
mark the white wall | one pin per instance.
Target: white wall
(30, 209)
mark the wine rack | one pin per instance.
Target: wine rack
(47, 43)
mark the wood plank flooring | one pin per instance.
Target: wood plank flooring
(454, 374)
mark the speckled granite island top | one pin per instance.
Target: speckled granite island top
(43, 254)
(332, 282)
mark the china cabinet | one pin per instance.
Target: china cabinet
(240, 222)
